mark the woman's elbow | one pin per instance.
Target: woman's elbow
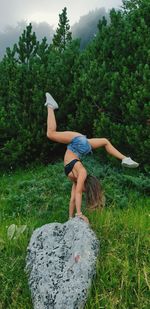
(48, 134)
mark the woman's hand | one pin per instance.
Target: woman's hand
(84, 218)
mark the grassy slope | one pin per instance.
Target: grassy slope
(41, 195)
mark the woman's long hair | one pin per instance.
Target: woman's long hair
(94, 194)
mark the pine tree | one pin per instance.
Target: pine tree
(63, 36)
(131, 5)
(27, 46)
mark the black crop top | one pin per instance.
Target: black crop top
(68, 168)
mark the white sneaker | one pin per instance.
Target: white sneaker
(50, 101)
(128, 162)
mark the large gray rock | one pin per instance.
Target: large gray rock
(61, 262)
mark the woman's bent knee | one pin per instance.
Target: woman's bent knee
(50, 134)
(106, 141)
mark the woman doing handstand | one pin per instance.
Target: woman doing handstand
(78, 145)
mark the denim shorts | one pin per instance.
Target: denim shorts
(80, 146)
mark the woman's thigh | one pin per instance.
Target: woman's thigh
(97, 142)
(64, 137)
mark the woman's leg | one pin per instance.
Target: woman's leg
(103, 142)
(60, 137)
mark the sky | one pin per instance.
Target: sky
(14, 11)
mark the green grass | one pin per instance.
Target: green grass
(122, 279)
(40, 195)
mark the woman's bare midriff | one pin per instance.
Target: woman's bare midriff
(69, 156)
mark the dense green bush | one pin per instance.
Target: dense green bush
(113, 85)
(102, 91)
(26, 73)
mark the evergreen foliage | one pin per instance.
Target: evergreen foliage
(63, 35)
(102, 91)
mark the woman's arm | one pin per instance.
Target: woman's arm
(72, 201)
(78, 193)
